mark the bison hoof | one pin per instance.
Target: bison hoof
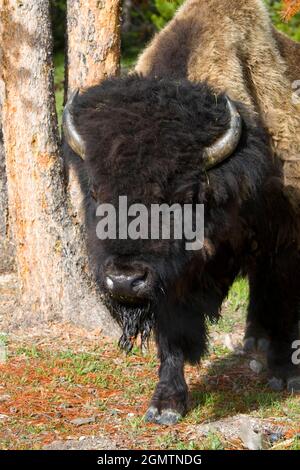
(263, 345)
(249, 344)
(166, 417)
(151, 414)
(293, 385)
(277, 385)
(253, 344)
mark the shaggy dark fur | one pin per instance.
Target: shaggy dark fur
(145, 139)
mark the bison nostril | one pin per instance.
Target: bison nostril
(139, 282)
(124, 285)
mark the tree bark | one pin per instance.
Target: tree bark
(50, 254)
(6, 252)
(6, 242)
(3, 192)
(93, 51)
(92, 54)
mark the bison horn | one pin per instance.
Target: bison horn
(71, 134)
(225, 145)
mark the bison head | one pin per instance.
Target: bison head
(153, 141)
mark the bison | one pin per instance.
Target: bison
(159, 137)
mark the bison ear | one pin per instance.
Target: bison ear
(224, 147)
(71, 133)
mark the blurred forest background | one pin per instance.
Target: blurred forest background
(141, 19)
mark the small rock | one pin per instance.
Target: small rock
(206, 364)
(3, 417)
(256, 366)
(4, 398)
(13, 410)
(83, 421)
(254, 432)
(65, 406)
(228, 343)
(251, 439)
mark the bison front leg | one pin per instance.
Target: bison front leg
(169, 402)
(181, 337)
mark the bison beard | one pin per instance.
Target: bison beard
(150, 139)
(134, 321)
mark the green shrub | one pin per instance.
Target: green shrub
(165, 11)
(58, 12)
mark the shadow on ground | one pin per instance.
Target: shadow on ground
(229, 387)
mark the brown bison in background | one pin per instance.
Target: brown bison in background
(234, 47)
(193, 127)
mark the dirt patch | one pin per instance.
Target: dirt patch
(83, 443)
(253, 433)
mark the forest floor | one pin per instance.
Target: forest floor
(62, 387)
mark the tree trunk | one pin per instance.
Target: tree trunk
(93, 54)
(6, 243)
(50, 254)
(6, 255)
(3, 192)
(93, 51)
